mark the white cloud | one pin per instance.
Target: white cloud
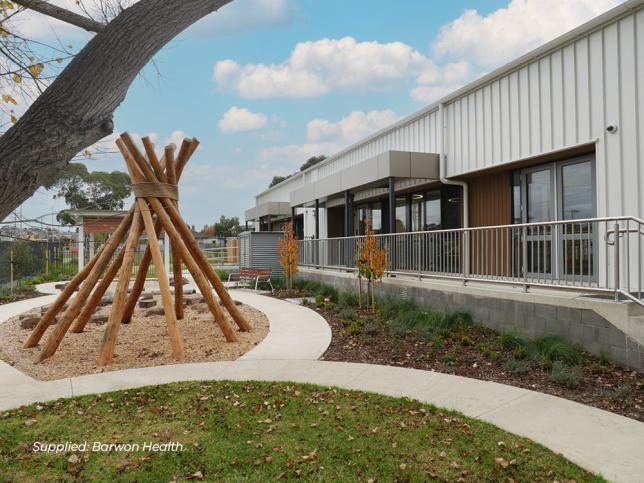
(513, 30)
(316, 67)
(242, 16)
(351, 128)
(239, 119)
(297, 153)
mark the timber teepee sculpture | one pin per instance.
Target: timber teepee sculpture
(154, 211)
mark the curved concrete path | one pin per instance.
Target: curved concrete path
(597, 440)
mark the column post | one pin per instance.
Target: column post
(392, 205)
(81, 246)
(317, 219)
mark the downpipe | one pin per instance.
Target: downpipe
(464, 186)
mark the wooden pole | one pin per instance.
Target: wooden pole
(164, 285)
(177, 272)
(79, 278)
(204, 264)
(176, 240)
(97, 294)
(193, 267)
(139, 283)
(79, 300)
(116, 314)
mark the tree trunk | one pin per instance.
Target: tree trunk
(76, 110)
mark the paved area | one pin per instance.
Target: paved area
(600, 441)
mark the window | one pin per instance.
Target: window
(433, 210)
(401, 215)
(563, 190)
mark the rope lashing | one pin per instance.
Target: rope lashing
(155, 190)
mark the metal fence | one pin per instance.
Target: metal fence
(598, 254)
(223, 256)
(20, 259)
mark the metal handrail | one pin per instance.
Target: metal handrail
(583, 254)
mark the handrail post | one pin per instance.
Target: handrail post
(616, 259)
(525, 258)
(466, 256)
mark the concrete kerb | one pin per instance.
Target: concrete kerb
(597, 440)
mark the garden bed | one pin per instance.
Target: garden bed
(265, 431)
(400, 334)
(141, 343)
(6, 297)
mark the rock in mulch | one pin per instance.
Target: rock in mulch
(107, 300)
(63, 286)
(45, 308)
(190, 300)
(185, 281)
(146, 296)
(146, 304)
(99, 319)
(154, 311)
(29, 321)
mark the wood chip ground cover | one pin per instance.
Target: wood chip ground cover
(240, 431)
(141, 343)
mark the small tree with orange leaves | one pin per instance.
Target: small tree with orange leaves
(372, 263)
(287, 249)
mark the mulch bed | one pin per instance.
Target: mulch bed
(478, 354)
(20, 294)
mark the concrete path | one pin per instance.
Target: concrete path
(597, 440)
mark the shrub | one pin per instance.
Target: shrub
(620, 393)
(356, 327)
(347, 299)
(319, 300)
(347, 314)
(450, 359)
(346, 322)
(553, 348)
(516, 366)
(329, 306)
(305, 301)
(512, 340)
(569, 376)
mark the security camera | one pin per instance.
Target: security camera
(611, 128)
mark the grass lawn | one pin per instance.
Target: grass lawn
(240, 431)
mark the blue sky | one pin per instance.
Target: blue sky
(263, 84)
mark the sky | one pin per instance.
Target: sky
(265, 84)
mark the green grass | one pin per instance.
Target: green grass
(240, 431)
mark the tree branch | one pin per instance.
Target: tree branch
(62, 14)
(76, 110)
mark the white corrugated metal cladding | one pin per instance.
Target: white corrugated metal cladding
(559, 96)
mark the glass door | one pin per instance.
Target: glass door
(539, 203)
(563, 190)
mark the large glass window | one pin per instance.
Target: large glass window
(376, 217)
(577, 192)
(433, 210)
(401, 215)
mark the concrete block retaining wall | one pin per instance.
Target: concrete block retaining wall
(579, 325)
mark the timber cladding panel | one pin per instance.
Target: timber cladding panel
(489, 204)
(101, 224)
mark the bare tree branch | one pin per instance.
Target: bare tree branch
(77, 109)
(63, 14)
